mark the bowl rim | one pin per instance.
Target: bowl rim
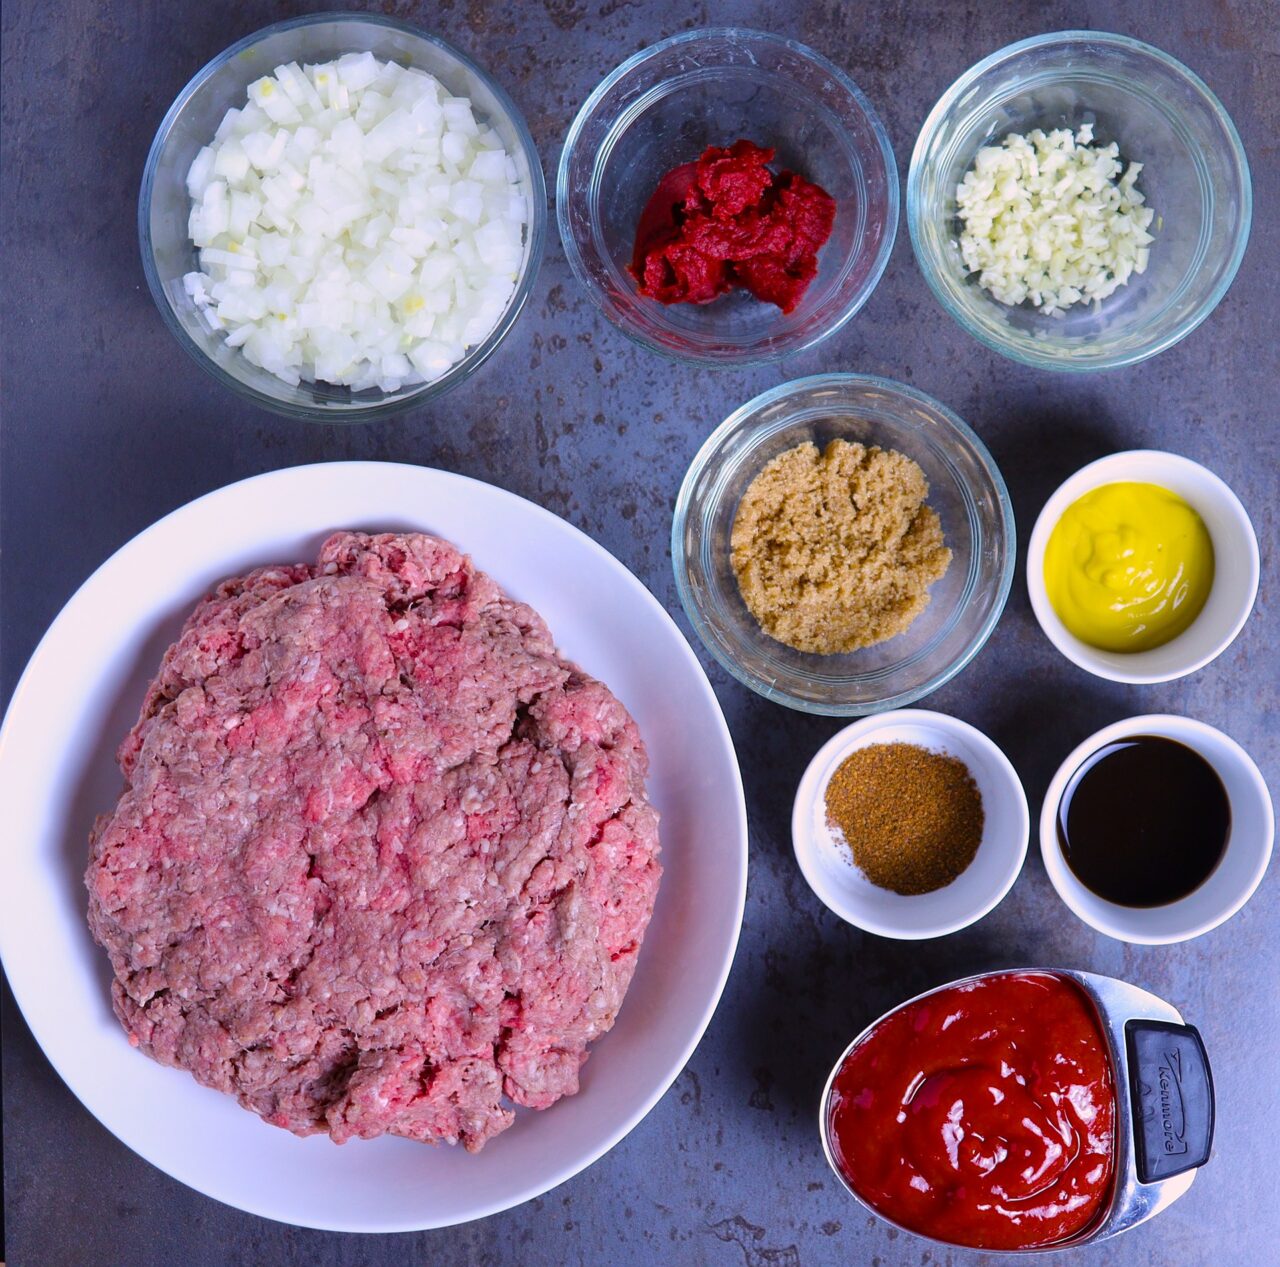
(944, 724)
(893, 198)
(1193, 319)
(680, 565)
(474, 357)
(1094, 475)
(1172, 726)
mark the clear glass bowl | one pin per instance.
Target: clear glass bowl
(163, 204)
(965, 488)
(663, 107)
(1194, 175)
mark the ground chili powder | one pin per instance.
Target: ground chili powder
(728, 221)
(911, 818)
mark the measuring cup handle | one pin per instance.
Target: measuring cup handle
(1171, 1090)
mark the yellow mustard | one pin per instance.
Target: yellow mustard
(1128, 566)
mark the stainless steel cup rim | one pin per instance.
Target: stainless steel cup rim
(1115, 1003)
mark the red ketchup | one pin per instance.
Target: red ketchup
(726, 221)
(982, 1115)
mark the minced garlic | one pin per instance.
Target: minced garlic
(1050, 219)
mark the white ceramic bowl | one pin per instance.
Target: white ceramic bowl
(1231, 884)
(1235, 574)
(831, 873)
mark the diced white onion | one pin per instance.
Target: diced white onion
(355, 224)
(1049, 219)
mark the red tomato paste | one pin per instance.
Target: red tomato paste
(982, 1115)
(726, 221)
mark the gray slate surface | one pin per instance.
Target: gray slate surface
(107, 426)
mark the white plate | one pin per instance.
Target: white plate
(80, 694)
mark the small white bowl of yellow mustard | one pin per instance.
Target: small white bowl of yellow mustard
(1142, 567)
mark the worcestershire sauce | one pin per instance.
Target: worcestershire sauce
(1144, 821)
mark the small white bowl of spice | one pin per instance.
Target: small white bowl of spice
(910, 824)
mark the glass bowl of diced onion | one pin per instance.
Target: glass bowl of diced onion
(362, 285)
(1137, 113)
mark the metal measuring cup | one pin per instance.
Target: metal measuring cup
(1164, 1103)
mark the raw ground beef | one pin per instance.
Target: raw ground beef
(383, 861)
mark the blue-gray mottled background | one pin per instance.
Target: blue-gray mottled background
(107, 425)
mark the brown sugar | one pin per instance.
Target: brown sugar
(836, 550)
(912, 818)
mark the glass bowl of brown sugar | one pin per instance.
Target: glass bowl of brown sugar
(806, 550)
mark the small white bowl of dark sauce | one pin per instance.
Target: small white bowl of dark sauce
(1145, 873)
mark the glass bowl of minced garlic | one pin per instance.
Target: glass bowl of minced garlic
(843, 544)
(1079, 201)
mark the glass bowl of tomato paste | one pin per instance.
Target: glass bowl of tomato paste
(1021, 1111)
(663, 109)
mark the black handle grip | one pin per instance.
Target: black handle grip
(1171, 1090)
